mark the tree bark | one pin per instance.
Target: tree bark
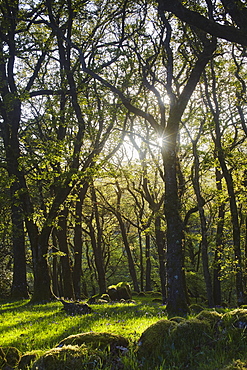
(67, 282)
(220, 155)
(204, 241)
(131, 264)
(160, 242)
(148, 286)
(96, 240)
(77, 268)
(218, 245)
(141, 261)
(176, 295)
(230, 33)
(235, 228)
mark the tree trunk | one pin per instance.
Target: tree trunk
(42, 281)
(204, 241)
(11, 143)
(19, 287)
(148, 286)
(141, 262)
(220, 155)
(176, 295)
(235, 229)
(77, 268)
(159, 236)
(68, 288)
(96, 240)
(218, 245)
(131, 264)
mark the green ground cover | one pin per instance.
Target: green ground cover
(28, 326)
(41, 327)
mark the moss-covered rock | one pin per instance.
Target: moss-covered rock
(212, 317)
(28, 358)
(193, 333)
(95, 340)
(2, 358)
(155, 339)
(75, 308)
(120, 291)
(141, 294)
(105, 297)
(236, 318)
(9, 357)
(157, 300)
(68, 357)
(177, 319)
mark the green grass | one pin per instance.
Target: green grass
(29, 327)
(41, 327)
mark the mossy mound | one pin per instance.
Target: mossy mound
(28, 358)
(189, 334)
(157, 300)
(212, 317)
(141, 294)
(9, 357)
(236, 318)
(68, 357)
(120, 291)
(95, 340)
(105, 297)
(177, 319)
(155, 339)
(174, 341)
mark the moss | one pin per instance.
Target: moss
(177, 319)
(155, 338)
(157, 300)
(191, 338)
(67, 357)
(2, 358)
(212, 317)
(124, 290)
(119, 291)
(236, 318)
(28, 358)
(95, 340)
(141, 294)
(192, 333)
(234, 329)
(105, 297)
(9, 356)
(196, 308)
